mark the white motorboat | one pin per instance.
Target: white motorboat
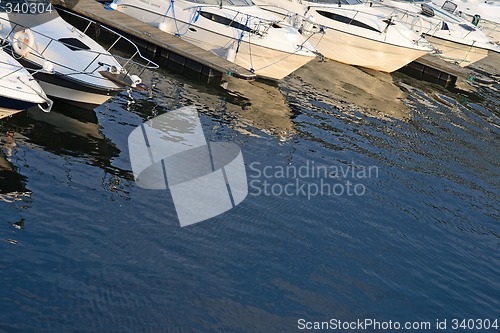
(234, 29)
(484, 14)
(84, 72)
(352, 32)
(18, 88)
(453, 38)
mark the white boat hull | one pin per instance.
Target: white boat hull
(263, 61)
(18, 89)
(454, 39)
(75, 58)
(359, 51)
(83, 98)
(272, 54)
(460, 54)
(354, 34)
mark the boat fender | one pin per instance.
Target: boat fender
(48, 67)
(135, 80)
(23, 41)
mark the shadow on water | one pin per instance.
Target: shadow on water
(11, 182)
(33, 140)
(66, 130)
(251, 108)
(13, 190)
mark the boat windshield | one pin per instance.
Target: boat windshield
(25, 6)
(338, 2)
(225, 2)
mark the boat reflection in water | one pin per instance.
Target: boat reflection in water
(253, 108)
(261, 106)
(349, 89)
(259, 109)
(12, 183)
(66, 130)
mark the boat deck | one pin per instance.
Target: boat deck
(165, 49)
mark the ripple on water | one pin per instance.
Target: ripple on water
(98, 253)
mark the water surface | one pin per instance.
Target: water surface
(85, 250)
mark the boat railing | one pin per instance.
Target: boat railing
(17, 67)
(21, 67)
(135, 60)
(430, 26)
(351, 15)
(485, 27)
(301, 22)
(9, 39)
(413, 20)
(256, 25)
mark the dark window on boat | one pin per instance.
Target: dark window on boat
(74, 44)
(467, 27)
(427, 10)
(226, 21)
(346, 20)
(449, 6)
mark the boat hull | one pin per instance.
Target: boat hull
(9, 103)
(75, 58)
(262, 60)
(270, 55)
(461, 54)
(85, 99)
(265, 62)
(18, 89)
(70, 90)
(359, 51)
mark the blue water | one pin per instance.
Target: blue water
(86, 250)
